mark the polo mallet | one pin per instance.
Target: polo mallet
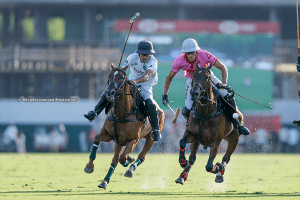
(298, 32)
(131, 21)
(175, 113)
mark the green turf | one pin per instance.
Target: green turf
(61, 176)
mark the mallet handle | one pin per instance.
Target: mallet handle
(171, 109)
(131, 22)
(298, 31)
(134, 17)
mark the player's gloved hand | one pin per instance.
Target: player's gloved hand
(165, 99)
(298, 66)
(226, 87)
(229, 89)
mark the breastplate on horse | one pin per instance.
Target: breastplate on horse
(208, 126)
(126, 125)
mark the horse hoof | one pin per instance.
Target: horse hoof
(88, 170)
(128, 174)
(180, 180)
(102, 185)
(219, 179)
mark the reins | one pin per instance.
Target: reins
(199, 116)
(135, 110)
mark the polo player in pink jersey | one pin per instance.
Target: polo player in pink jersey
(191, 55)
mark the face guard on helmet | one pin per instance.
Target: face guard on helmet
(189, 45)
(145, 47)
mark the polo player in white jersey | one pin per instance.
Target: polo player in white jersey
(143, 73)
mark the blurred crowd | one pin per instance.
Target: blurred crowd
(13, 140)
(56, 139)
(286, 140)
(50, 139)
(45, 139)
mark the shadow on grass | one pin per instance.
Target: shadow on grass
(153, 194)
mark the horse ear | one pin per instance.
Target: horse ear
(210, 66)
(112, 66)
(125, 68)
(198, 65)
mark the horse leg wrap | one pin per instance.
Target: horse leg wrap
(218, 168)
(182, 159)
(110, 172)
(137, 163)
(182, 145)
(185, 172)
(125, 164)
(94, 150)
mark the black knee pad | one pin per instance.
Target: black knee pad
(151, 105)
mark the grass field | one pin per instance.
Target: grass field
(61, 176)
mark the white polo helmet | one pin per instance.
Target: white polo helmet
(189, 45)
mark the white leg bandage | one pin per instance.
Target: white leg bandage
(188, 97)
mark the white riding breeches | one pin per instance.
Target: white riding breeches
(146, 92)
(188, 97)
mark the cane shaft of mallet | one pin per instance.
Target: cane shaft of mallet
(171, 109)
(131, 22)
(298, 30)
(125, 46)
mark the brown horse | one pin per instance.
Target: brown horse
(206, 126)
(125, 125)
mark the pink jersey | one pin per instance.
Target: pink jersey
(203, 57)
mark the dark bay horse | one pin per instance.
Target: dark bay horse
(206, 126)
(125, 125)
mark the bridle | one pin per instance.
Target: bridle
(113, 113)
(114, 85)
(214, 112)
(203, 89)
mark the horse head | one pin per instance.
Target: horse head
(201, 82)
(116, 81)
